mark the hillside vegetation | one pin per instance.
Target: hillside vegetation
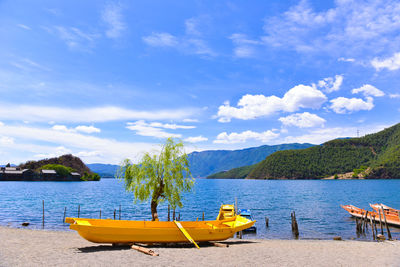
(208, 162)
(380, 152)
(63, 165)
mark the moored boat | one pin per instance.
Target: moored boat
(123, 231)
(392, 218)
(247, 214)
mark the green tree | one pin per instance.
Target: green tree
(159, 177)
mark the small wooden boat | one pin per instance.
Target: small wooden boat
(392, 217)
(121, 231)
(247, 214)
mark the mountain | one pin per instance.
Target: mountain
(235, 173)
(65, 160)
(372, 156)
(104, 170)
(208, 162)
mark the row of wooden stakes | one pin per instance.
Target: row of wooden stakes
(362, 225)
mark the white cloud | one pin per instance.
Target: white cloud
(170, 126)
(160, 39)
(394, 95)
(355, 28)
(191, 26)
(368, 90)
(27, 64)
(244, 47)
(232, 138)
(112, 16)
(23, 26)
(61, 128)
(85, 154)
(392, 63)
(302, 120)
(191, 43)
(319, 136)
(95, 114)
(195, 139)
(57, 151)
(254, 106)
(80, 128)
(343, 105)
(6, 141)
(331, 85)
(147, 129)
(87, 129)
(74, 38)
(346, 59)
(109, 150)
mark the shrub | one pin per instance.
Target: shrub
(60, 169)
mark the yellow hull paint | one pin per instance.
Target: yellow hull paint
(120, 231)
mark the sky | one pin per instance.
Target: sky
(109, 80)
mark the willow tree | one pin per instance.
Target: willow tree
(159, 177)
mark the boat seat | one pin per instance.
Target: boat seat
(83, 222)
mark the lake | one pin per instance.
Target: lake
(316, 202)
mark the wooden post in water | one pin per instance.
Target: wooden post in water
(387, 226)
(119, 212)
(43, 214)
(173, 215)
(372, 226)
(366, 220)
(203, 215)
(376, 230)
(357, 232)
(100, 214)
(179, 216)
(65, 211)
(380, 221)
(169, 211)
(295, 227)
(79, 210)
(114, 213)
(236, 206)
(266, 222)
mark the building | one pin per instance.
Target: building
(16, 174)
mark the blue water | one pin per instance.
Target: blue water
(316, 202)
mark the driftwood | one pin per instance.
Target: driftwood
(220, 245)
(144, 250)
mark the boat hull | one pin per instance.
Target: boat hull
(119, 231)
(360, 213)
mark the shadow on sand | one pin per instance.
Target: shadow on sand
(161, 245)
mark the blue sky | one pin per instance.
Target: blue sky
(107, 80)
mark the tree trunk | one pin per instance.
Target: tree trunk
(154, 201)
(154, 213)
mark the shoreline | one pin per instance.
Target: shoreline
(27, 247)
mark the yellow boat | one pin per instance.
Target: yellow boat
(121, 231)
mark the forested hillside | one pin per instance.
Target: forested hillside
(208, 162)
(380, 152)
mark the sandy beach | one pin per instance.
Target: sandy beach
(24, 247)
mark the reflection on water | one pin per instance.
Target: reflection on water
(317, 203)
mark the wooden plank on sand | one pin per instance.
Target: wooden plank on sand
(144, 250)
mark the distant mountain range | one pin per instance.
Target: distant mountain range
(208, 162)
(104, 170)
(374, 156)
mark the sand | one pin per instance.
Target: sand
(24, 247)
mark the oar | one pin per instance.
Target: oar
(186, 234)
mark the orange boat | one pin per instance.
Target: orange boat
(392, 215)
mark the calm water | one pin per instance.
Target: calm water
(316, 203)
